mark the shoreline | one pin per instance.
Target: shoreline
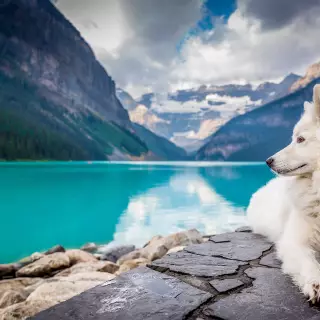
(59, 273)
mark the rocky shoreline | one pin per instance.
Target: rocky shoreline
(43, 280)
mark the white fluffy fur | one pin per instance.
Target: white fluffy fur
(287, 209)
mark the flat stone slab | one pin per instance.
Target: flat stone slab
(226, 284)
(139, 294)
(198, 265)
(272, 296)
(233, 276)
(237, 246)
(244, 229)
(270, 260)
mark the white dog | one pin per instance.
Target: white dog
(287, 209)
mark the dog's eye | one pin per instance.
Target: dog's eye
(300, 139)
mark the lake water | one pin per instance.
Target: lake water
(44, 204)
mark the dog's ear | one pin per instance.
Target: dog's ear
(316, 100)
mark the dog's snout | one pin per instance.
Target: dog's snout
(269, 161)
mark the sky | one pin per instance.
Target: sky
(162, 46)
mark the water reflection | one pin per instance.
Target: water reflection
(210, 199)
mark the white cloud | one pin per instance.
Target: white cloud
(136, 40)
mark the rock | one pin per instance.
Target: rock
(271, 260)
(136, 254)
(244, 229)
(28, 260)
(176, 249)
(24, 310)
(17, 284)
(93, 276)
(159, 246)
(113, 254)
(10, 297)
(131, 264)
(198, 265)
(7, 270)
(272, 296)
(109, 267)
(236, 245)
(98, 256)
(90, 247)
(45, 266)
(225, 285)
(55, 249)
(102, 266)
(67, 287)
(138, 294)
(153, 239)
(77, 256)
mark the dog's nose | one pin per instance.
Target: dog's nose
(269, 161)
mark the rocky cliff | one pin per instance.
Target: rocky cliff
(56, 100)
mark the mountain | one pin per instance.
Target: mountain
(164, 149)
(313, 72)
(259, 133)
(200, 111)
(56, 100)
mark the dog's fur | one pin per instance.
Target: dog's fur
(287, 209)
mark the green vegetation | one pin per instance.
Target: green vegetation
(31, 127)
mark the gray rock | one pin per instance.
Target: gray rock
(273, 296)
(198, 265)
(55, 249)
(90, 247)
(226, 284)
(138, 294)
(244, 229)
(115, 253)
(270, 260)
(237, 245)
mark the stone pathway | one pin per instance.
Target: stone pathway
(233, 276)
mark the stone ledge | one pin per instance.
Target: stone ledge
(233, 276)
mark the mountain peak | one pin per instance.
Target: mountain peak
(313, 72)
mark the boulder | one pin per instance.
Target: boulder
(10, 297)
(59, 291)
(7, 270)
(17, 283)
(77, 256)
(109, 267)
(136, 254)
(113, 254)
(176, 249)
(131, 264)
(55, 249)
(45, 266)
(90, 247)
(27, 260)
(24, 310)
(93, 276)
(159, 246)
(102, 266)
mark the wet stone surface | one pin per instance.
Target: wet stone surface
(233, 276)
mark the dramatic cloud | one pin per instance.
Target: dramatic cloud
(278, 13)
(144, 45)
(135, 40)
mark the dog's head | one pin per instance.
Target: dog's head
(302, 155)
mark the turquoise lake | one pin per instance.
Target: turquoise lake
(44, 204)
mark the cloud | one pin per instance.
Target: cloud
(278, 13)
(244, 52)
(137, 41)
